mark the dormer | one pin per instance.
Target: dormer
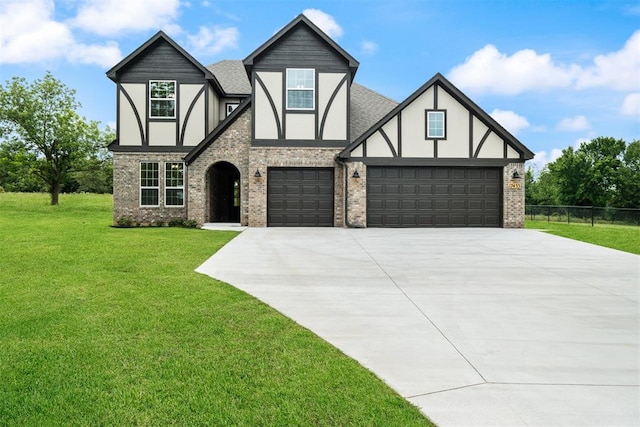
(166, 100)
(301, 82)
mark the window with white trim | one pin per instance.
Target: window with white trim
(174, 184)
(301, 88)
(149, 184)
(436, 124)
(231, 106)
(162, 99)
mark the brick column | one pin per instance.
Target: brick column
(356, 195)
(513, 196)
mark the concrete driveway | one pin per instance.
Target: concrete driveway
(474, 326)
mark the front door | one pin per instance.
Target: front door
(224, 184)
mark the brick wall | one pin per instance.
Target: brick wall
(513, 193)
(262, 158)
(356, 195)
(231, 146)
(126, 188)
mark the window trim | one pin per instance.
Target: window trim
(230, 104)
(174, 99)
(312, 90)
(148, 187)
(444, 124)
(168, 187)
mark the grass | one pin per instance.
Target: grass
(622, 237)
(111, 326)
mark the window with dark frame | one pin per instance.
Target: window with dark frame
(149, 184)
(174, 184)
(436, 124)
(231, 106)
(162, 99)
(301, 87)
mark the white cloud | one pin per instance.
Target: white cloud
(105, 55)
(368, 47)
(510, 120)
(631, 105)
(573, 124)
(541, 158)
(324, 21)
(31, 35)
(208, 42)
(616, 70)
(113, 17)
(490, 71)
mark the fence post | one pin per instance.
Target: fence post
(568, 215)
(548, 214)
(592, 216)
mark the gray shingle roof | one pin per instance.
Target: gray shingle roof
(367, 108)
(232, 77)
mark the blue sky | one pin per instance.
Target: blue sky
(554, 73)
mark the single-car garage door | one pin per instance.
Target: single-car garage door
(300, 197)
(433, 197)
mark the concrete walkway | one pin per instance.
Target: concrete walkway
(474, 326)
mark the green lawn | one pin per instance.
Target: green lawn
(110, 326)
(622, 237)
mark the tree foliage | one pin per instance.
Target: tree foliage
(603, 172)
(42, 135)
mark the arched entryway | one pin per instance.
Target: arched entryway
(224, 193)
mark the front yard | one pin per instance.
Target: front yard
(112, 326)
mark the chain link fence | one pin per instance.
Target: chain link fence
(583, 214)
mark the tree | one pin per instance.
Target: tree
(629, 193)
(42, 116)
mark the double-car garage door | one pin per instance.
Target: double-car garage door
(434, 197)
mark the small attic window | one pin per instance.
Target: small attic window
(436, 124)
(162, 99)
(301, 87)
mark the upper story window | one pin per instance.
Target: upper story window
(162, 99)
(301, 88)
(230, 107)
(436, 124)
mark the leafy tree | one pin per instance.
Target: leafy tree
(629, 192)
(42, 116)
(15, 169)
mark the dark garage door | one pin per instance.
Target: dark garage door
(300, 197)
(433, 197)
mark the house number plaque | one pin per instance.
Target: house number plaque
(515, 185)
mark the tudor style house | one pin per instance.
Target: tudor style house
(287, 138)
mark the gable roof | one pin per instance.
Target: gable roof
(232, 77)
(301, 20)
(367, 108)
(160, 35)
(222, 126)
(441, 81)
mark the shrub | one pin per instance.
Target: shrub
(189, 223)
(158, 223)
(124, 221)
(176, 222)
(1, 189)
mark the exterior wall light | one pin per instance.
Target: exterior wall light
(355, 174)
(515, 174)
(257, 174)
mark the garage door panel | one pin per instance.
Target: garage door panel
(300, 197)
(434, 197)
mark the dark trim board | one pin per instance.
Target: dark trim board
(404, 161)
(150, 148)
(294, 143)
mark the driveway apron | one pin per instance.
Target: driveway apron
(473, 326)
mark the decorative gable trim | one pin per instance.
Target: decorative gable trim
(214, 134)
(439, 80)
(160, 35)
(303, 20)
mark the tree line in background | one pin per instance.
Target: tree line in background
(604, 172)
(45, 145)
